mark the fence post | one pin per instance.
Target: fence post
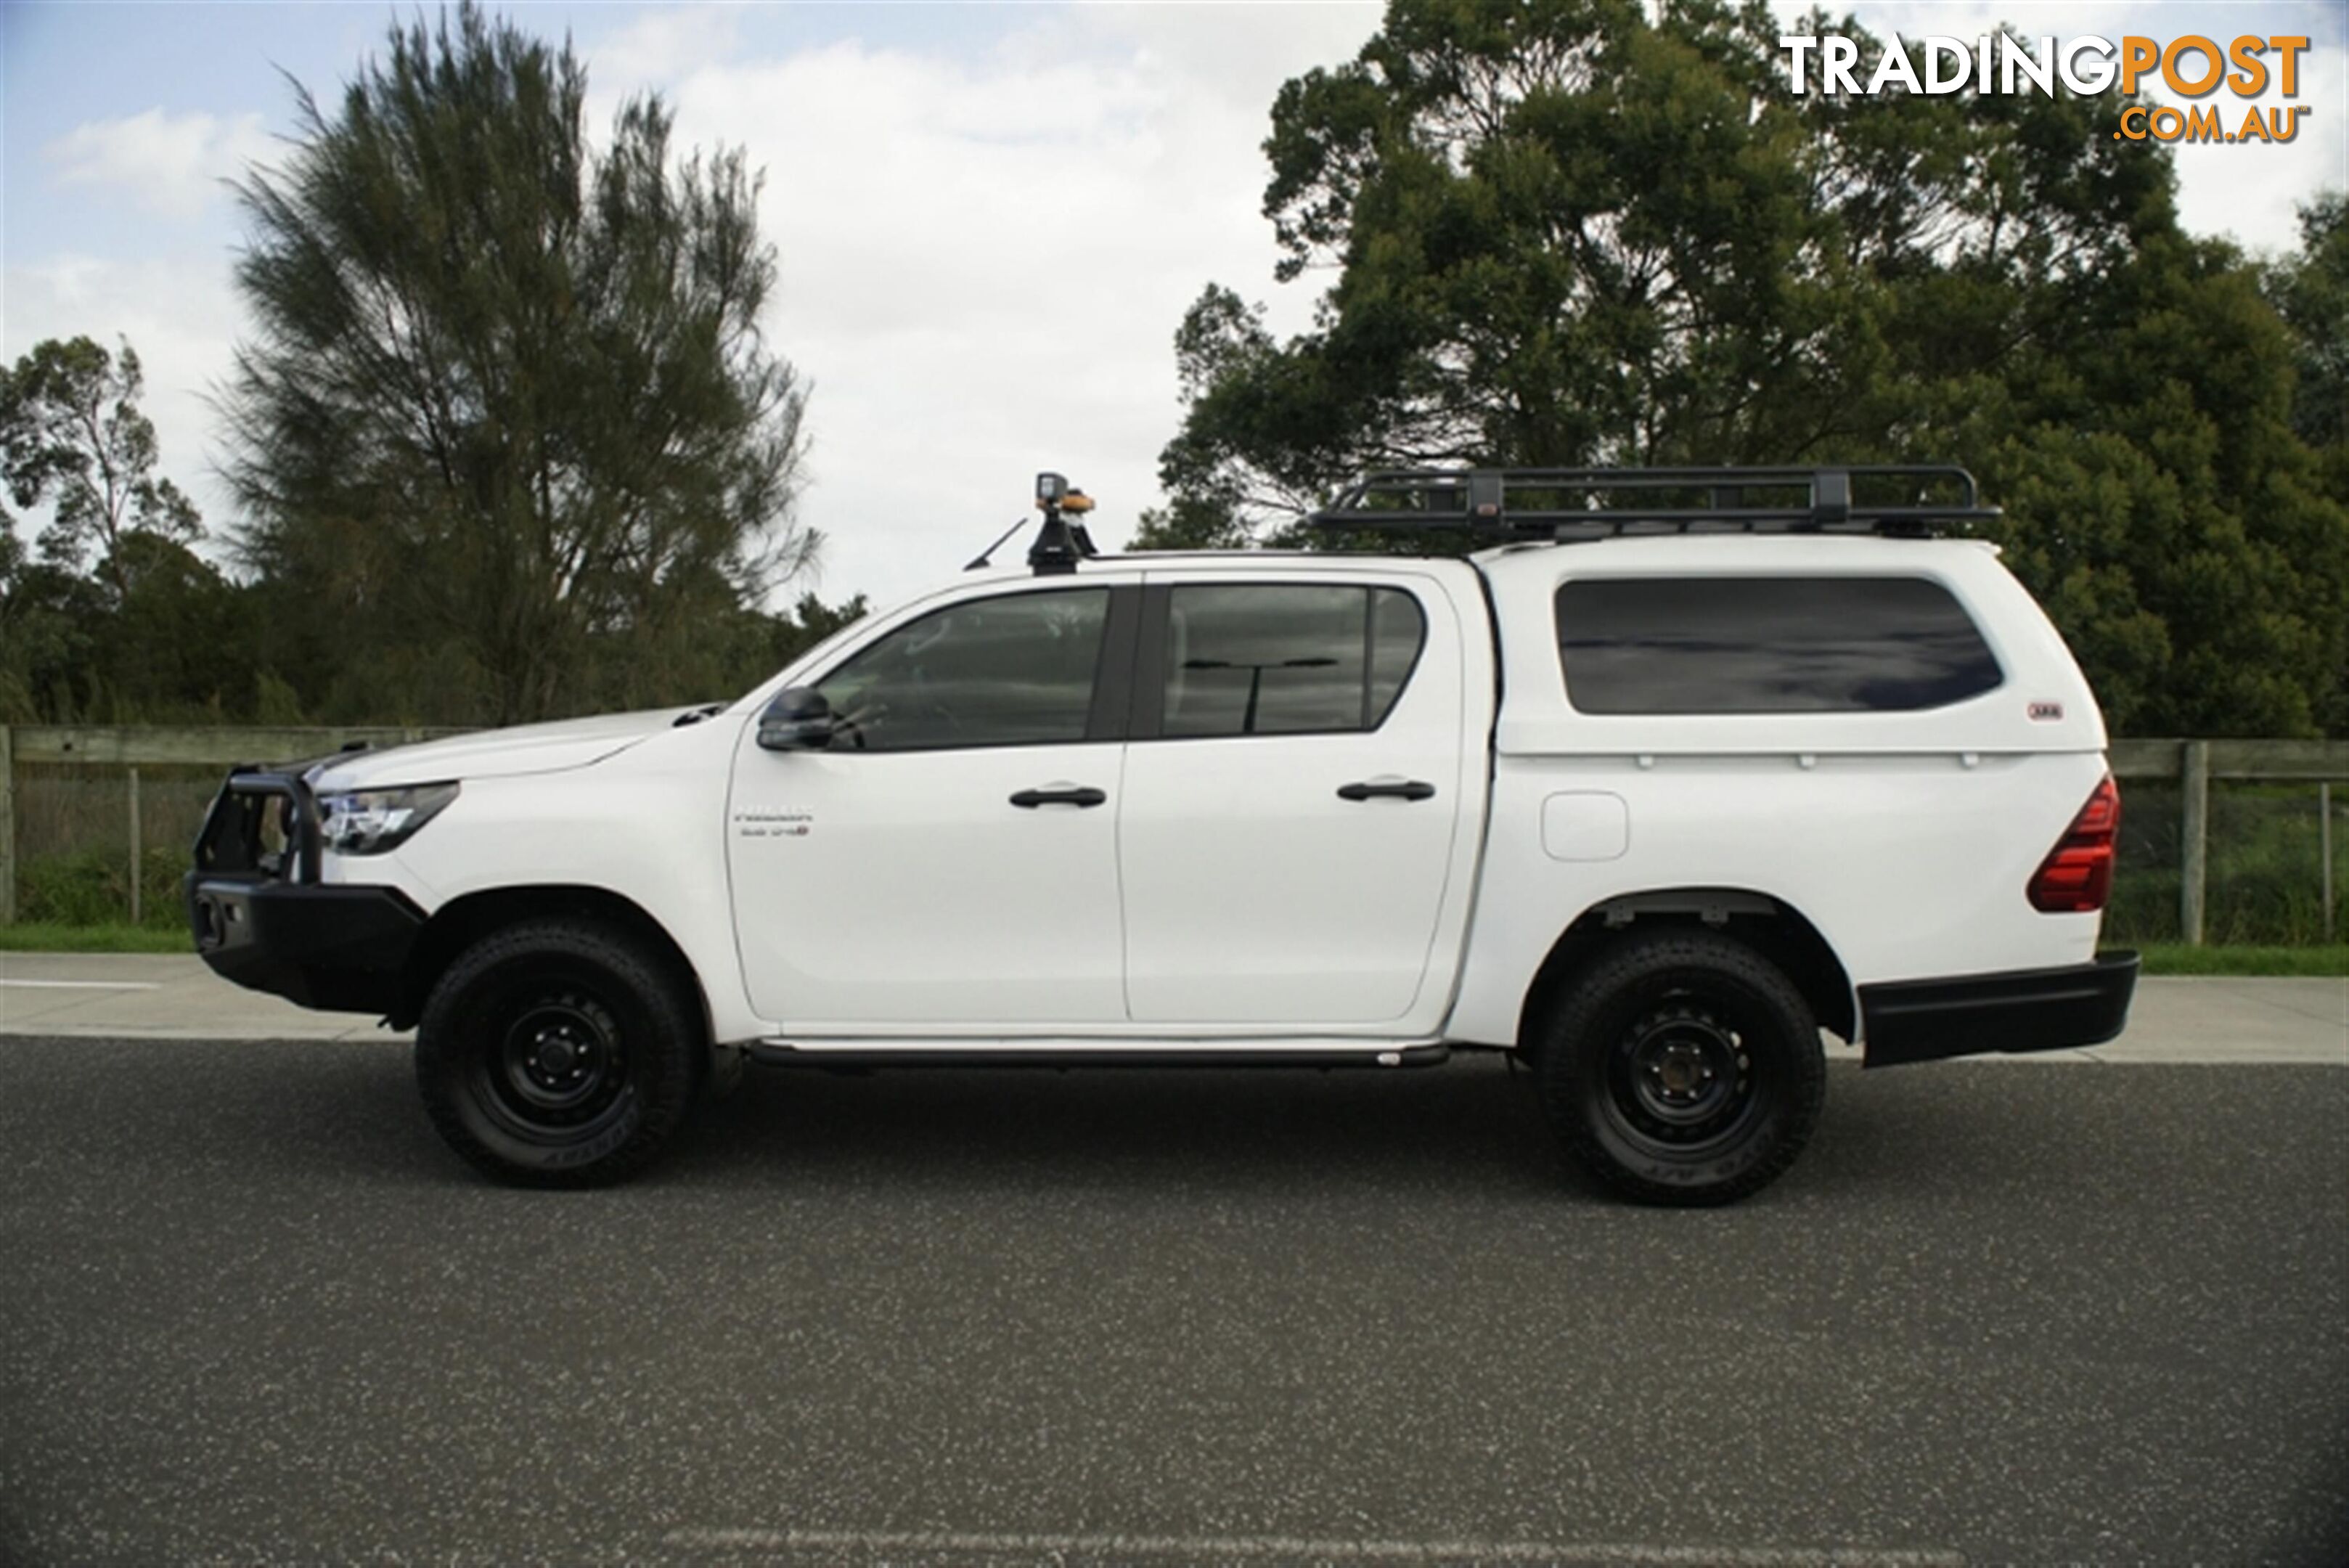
(8, 825)
(2325, 849)
(2194, 834)
(137, 841)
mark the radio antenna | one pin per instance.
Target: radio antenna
(981, 563)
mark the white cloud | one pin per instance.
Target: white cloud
(2249, 189)
(985, 257)
(169, 164)
(659, 45)
(181, 317)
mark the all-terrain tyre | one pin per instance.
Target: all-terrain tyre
(1682, 1068)
(559, 1052)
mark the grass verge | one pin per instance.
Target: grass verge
(2177, 958)
(51, 937)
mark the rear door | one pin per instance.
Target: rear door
(1292, 812)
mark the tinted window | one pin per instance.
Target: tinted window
(1289, 659)
(1010, 672)
(1768, 645)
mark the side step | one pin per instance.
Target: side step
(864, 1055)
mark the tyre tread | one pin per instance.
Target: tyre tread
(1565, 1055)
(666, 1096)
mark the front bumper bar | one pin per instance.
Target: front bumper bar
(2026, 1010)
(261, 918)
(342, 947)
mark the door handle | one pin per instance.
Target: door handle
(1059, 794)
(1394, 789)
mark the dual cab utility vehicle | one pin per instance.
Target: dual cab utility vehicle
(1691, 766)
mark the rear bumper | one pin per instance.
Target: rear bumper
(2027, 1009)
(340, 947)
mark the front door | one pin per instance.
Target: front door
(948, 863)
(1292, 792)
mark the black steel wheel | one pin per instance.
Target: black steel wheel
(558, 1054)
(1682, 1068)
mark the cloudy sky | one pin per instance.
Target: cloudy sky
(990, 216)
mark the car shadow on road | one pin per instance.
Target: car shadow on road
(1471, 1125)
(1464, 1124)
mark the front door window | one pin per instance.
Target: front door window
(1012, 671)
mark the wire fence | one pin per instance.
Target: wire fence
(2273, 850)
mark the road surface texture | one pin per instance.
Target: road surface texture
(251, 1309)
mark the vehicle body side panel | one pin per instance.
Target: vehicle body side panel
(1464, 663)
(1908, 866)
(1907, 839)
(1256, 895)
(646, 825)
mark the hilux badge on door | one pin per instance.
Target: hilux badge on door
(784, 824)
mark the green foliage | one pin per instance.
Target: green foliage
(810, 621)
(72, 437)
(1568, 231)
(2310, 291)
(47, 937)
(157, 634)
(508, 437)
(2263, 881)
(153, 629)
(2177, 958)
(91, 887)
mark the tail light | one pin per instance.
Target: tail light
(2077, 874)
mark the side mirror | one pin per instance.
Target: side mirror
(797, 720)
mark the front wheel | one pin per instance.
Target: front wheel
(557, 1053)
(1682, 1068)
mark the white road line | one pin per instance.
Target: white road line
(1291, 1549)
(86, 985)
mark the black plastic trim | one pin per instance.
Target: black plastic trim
(230, 840)
(1113, 699)
(341, 948)
(1080, 795)
(1478, 500)
(1206, 1055)
(1149, 720)
(2021, 1011)
(1408, 789)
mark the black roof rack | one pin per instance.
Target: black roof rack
(1577, 504)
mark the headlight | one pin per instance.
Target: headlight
(370, 821)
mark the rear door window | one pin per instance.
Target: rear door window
(1297, 658)
(1768, 645)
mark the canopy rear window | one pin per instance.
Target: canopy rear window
(1768, 645)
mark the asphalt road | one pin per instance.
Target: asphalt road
(251, 1309)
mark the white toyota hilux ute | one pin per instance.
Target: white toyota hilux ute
(1675, 777)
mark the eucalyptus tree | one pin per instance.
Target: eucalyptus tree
(73, 437)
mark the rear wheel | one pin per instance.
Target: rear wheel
(558, 1054)
(1682, 1068)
